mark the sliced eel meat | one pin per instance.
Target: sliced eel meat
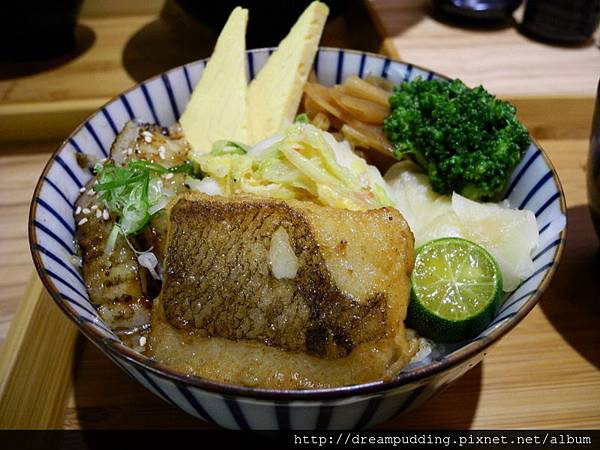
(148, 142)
(166, 146)
(120, 289)
(113, 281)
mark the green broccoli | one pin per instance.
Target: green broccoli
(465, 139)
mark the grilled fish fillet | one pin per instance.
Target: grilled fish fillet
(309, 287)
(252, 363)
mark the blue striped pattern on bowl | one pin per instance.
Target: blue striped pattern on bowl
(534, 185)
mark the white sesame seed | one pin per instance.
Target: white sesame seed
(147, 136)
(82, 189)
(162, 152)
(105, 215)
(169, 176)
(86, 210)
(94, 207)
(129, 151)
(82, 221)
(91, 192)
(98, 214)
(143, 341)
(78, 210)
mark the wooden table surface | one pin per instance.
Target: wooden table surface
(543, 374)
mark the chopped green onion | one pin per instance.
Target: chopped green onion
(224, 147)
(112, 239)
(126, 192)
(188, 168)
(302, 118)
(135, 192)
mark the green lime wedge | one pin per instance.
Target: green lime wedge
(456, 289)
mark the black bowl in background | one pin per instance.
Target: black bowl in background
(269, 21)
(561, 21)
(37, 30)
(477, 10)
(593, 167)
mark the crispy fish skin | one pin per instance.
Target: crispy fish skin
(252, 363)
(351, 286)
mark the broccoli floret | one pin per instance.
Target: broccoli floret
(465, 139)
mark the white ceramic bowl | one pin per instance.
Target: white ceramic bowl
(534, 185)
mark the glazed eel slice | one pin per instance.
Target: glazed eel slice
(166, 146)
(119, 288)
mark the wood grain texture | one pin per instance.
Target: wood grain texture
(116, 51)
(36, 363)
(40, 343)
(545, 373)
(47, 100)
(20, 167)
(506, 62)
(556, 117)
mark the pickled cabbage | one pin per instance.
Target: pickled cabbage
(510, 235)
(303, 163)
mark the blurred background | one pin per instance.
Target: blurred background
(77, 54)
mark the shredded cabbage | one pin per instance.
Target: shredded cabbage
(510, 235)
(207, 185)
(224, 147)
(303, 163)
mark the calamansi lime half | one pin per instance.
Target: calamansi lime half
(456, 289)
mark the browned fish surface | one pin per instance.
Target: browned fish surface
(113, 281)
(251, 363)
(348, 294)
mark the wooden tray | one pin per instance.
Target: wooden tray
(41, 341)
(48, 380)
